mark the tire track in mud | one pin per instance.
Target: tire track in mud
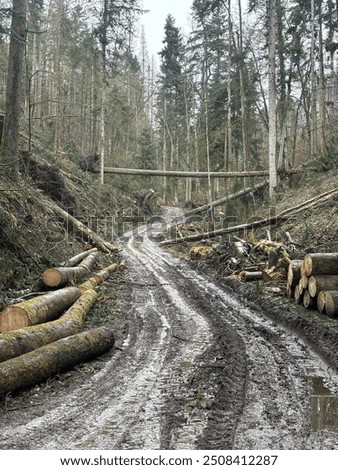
(198, 369)
(281, 373)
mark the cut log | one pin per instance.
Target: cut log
(252, 276)
(304, 280)
(319, 283)
(302, 269)
(308, 301)
(57, 277)
(85, 232)
(331, 303)
(290, 292)
(321, 263)
(321, 301)
(300, 287)
(37, 310)
(298, 295)
(37, 366)
(75, 260)
(226, 199)
(23, 340)
(98, 277)
(294, 272)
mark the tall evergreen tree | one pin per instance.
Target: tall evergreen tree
(10, 141)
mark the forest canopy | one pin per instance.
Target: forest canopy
(246, 89)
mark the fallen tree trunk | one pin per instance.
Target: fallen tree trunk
(283, 216)
(57, 277)
(23, 340)
(321, 263)
(37, 310)
(322, 283)
(331, 303)
(194, 174)
(185, 174)
(36, 366)
(311, 202)
(223, 231)
(75, 260)
(98, 278)
(85, 232)
(225, 199)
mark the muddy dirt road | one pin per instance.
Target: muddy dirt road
(197, 370)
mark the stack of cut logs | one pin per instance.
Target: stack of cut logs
(42, 336)
(313, 281)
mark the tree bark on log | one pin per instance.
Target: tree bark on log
(283, 216)
(75, 260)
(331, 303)
(321, 301)
(322, 283)
(98, 277)
(225, 199)
(298, 294)
(252, 275)
(321, 263)
(308, 301)
(304, 280)
(290, 292)
(223, 231)
(38, 309)
(194, 174)
(294, 273)
(57, 277)
(85, 232)
(320, 198)
(23, 340)
(37, 366)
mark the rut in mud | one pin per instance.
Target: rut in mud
(198, 370)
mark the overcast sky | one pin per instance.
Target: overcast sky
(154, 20)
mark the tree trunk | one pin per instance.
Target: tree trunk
(331, 303)
(308, 301)
(57, 277)
(23, 340)
(10, 142)
(189, 174)
(223, 231)
(75, 260)
(304, 280)
(323, 282)
(83, 231)
(37, 310)
(298, 294)
(321, 263)
(225, 199)
(252, 276)
(36, 366)
(321, 301)
(272, 99)
(98, 278)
